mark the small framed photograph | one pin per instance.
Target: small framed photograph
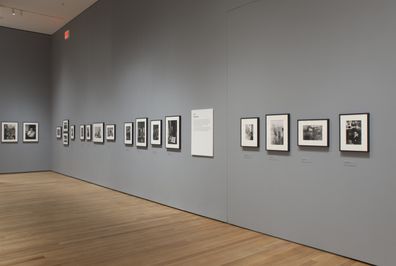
(9, 132)
(88, 135)
(277, 132)
(65, 139)
(65, 124)
(30, 132)
(250, 132)
(156, 132)
(98, 132)
(72, 132)
(128, 133)
(172, 132)
(141, 132)
(355, 132)
(313, 132)
(111, 132)
(58, 132)
(82, 132)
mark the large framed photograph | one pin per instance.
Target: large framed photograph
(88, 135)
(72, 132)
(354, 132)
(313, 132)
(141, 132)
(30, 132)
(98, 132)
(156, 132)
(9, 132)
(82, 132)
(173, 132)
(65, 130)
(250, 132)
(128, 133)
(58, 132)
(277, 132)
(111, 132)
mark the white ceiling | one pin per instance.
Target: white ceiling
(44, 16)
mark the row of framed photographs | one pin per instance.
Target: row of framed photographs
(353, 134)
(134, 132)
(9, 132)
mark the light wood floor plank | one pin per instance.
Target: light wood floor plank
(50, 219)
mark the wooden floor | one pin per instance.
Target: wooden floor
(50, 219)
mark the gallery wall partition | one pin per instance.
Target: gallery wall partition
(25, 112)
(267, 69)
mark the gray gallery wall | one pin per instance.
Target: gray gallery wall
(310, 58)
(25, 97)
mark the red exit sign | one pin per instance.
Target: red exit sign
(67, 35)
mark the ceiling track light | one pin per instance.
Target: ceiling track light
(13, 12)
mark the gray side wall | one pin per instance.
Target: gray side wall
(313, 59)
(25, 97)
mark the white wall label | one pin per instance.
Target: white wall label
(202, 132)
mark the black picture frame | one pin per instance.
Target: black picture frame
(156, 136)
(255, 132)
(303, 141)
(98, 133)
(348, 125)
(173, 137)
(12, 137)
(128, 140)
(111, 132)
(25, 133)
(88, 132)
(141, 134)
(271, 142)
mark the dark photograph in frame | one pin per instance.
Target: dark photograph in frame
(250, 132)
(156, 132)
(111, 132)
(313, 132)
(277, 132)
(72, 132)
(128, 133)
(354, 135)
(173, 132)
(82, 132)
(30, 132)
(58, 132)
(98, 133)
(9, 132)
(141, 132)
(88, 135)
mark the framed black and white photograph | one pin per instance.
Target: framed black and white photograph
(156, 132)
(355, 132)
(65, 139)
(98, 132)
(82, 132)
(250, 132)
(65, 126)
(88, 135)
(72, 132)
(141, 132)
(128, 133)
(9, 132)
(30, 132)
(277, 132)
(313, 132)
(111, 132)
(172, 132)
(58, 132)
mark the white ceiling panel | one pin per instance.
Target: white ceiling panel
(44, 16)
